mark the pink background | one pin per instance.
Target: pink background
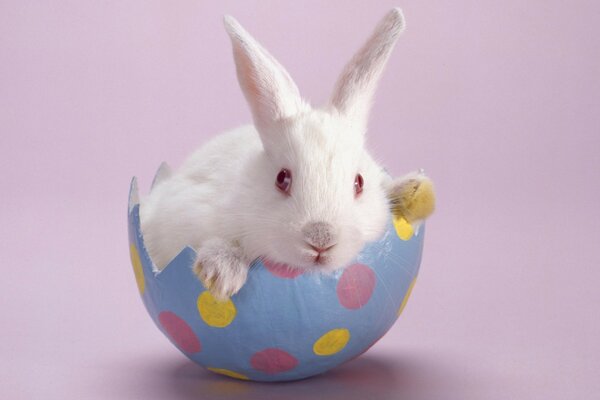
(498, 100)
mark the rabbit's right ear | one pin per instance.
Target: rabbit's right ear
(356, 85)
(269, 90)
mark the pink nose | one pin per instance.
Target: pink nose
(320, 249)
(320, 236)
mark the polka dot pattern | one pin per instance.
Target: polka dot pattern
(215, 313)
(137, 268)
(273, 361)
(282, 270)
(228, 373)
(404, 229)
(180, 332)
(355, 287)
(332, 342)
(282, 325)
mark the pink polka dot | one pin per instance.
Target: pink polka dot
(355, 287)
(180, 332)
(282, 270)
(273, 361)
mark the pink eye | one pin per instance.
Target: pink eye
(358, 184)
(284, 181)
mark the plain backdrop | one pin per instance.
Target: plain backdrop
(497, 100)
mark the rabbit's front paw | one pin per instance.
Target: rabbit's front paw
(412, 197)
(220, 266)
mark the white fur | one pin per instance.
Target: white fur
(356, 85)
(223, 200)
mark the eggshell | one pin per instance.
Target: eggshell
(280, 326)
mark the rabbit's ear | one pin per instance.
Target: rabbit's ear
(268, 88)
(356, 85)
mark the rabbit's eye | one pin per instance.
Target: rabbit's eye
(358, 184)
(284, 180)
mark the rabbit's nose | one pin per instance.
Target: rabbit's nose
(319, 235)
(320, 249)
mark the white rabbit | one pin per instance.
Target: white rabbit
(297, 187)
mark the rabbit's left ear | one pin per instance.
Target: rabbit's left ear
(356, 85)
(267, 86)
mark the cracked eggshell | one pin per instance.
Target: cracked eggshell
(282, 325)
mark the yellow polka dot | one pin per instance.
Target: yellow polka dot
(404, 229)
(229, 373)
(407, 295)
(332, 342)
(137, 268)
(215, 313)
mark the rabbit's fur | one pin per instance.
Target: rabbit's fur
(224, 202)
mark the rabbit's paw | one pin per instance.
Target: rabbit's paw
(221, 267)
(412, 197)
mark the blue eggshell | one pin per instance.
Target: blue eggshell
(279, 320)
